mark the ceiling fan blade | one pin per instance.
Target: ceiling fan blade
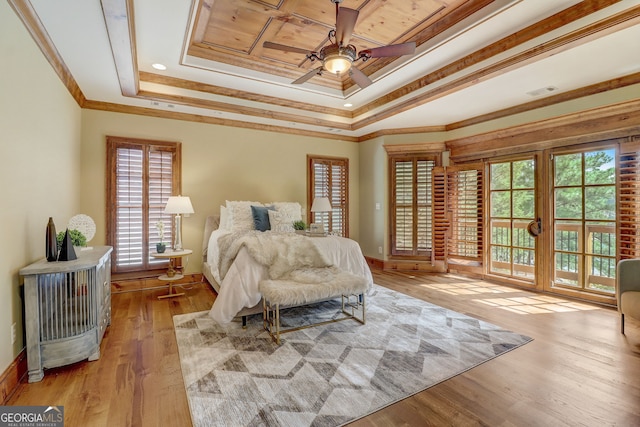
(408, 48)
(307, 76)
(359, 77)
(278, 46)
(345, 23)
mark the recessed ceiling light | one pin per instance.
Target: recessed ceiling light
(348, 104)
(160, 67)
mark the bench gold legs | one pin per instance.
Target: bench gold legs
(353, 307)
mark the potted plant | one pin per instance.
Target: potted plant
(77, 238)
(299, 226)
(160, 247)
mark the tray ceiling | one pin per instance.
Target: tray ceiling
(475, 60)
(233, 31)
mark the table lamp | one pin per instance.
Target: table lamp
(178, 205)
(320, 204)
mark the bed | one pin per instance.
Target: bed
(237, 283)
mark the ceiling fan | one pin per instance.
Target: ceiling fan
(339, 56)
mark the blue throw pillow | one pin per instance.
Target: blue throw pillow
(261, 217)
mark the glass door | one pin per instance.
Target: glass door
(512, 195)
(584, 222)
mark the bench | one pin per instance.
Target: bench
(277, 293)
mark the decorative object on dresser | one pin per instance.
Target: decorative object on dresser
(51, 243)
(67, 309)
(85, 225)
(78, 239)
(178, 205)
(67, 253)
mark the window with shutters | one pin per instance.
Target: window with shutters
(329, 177)
(629, 199)
(141, 175)
(411, 207)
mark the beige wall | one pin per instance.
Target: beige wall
(40, 152)
(218, 163)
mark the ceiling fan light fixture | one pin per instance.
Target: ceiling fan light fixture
(338, 60)
(337, 64)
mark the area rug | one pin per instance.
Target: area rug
(332, 374)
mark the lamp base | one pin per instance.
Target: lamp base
(177, 243)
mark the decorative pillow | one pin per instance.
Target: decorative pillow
(293, 209)
(239, 217)
(224, 218)
(261, 217)
(280, 221)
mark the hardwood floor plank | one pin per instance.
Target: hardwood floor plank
(579, 370)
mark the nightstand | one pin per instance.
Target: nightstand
(171, 275)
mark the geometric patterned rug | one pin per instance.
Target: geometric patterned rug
(332, 374)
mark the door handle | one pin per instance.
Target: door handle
(535, 227)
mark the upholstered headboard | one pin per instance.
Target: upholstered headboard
(212, 223)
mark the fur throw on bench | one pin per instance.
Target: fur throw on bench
(310, 285)
(287, 256)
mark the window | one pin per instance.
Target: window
(329, 177)
(411, 209)
(141, 175)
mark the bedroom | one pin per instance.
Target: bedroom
(54, 164)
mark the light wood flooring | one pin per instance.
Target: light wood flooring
(578, 371)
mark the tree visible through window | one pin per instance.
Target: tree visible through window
(141, 175)
(329, 177)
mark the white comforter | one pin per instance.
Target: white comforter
(239, 288)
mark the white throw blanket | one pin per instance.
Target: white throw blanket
(239, 287)
(282, 253)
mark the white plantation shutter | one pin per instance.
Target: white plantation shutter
(329, 177)
(411, 224)
(403, 200)
(143, 174)
(159, 190)
(129, 207)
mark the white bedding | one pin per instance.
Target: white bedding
(239, 287)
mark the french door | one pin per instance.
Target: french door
(511, 220)
(552, 225)
(584, 206)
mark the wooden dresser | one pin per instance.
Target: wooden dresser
(67, 309)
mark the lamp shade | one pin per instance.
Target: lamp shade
(178, 205)
(321, 204)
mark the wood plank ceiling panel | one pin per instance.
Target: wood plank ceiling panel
(232, 31)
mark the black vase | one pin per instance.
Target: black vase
(51, 248)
